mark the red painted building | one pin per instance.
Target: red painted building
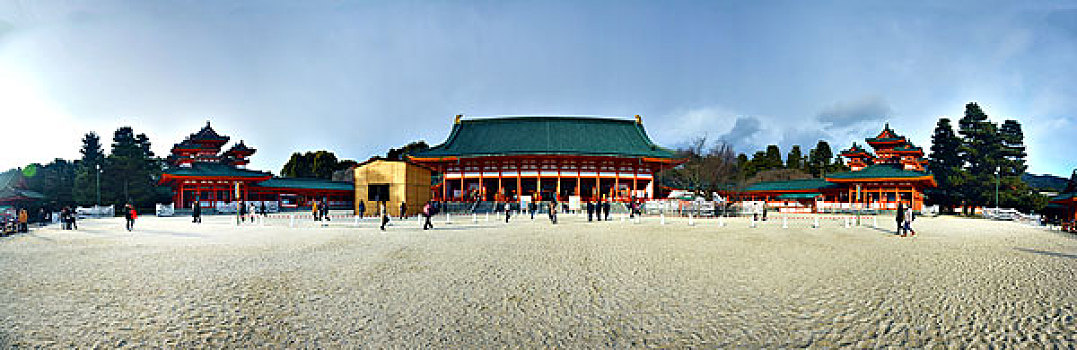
(895, 173)
(199, 171)
(500, 159)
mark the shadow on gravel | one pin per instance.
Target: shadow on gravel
(1044, 252)
(164, 233)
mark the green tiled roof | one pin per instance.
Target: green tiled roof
(792, 185)
(547, 136)
(855, 149)
(1064, 196)
(307, 183)
(799, 195)
(879, 171)
(214, 169)
(11, 194)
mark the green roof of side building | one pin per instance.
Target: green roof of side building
(804, 185)
(307, 183)
(547, 136)
(204, 169)
(888, 171)
(1064, 197)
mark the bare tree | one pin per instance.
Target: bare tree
(708, 169)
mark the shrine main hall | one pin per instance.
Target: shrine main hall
(504, 158)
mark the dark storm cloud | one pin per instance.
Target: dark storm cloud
(743, 132)
(866, 109)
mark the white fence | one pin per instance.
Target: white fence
(96, 211)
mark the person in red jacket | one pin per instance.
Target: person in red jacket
(130, 214)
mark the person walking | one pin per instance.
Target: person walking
(242, 212)
(508, 212)
(403, 210)
(384, 213)
(41, 217)
(264, 211)
(196, 212)
(325, 210)
(63, 219)
(606, 210)
(428, 210)
(909, 217)
(531, 206)
(130, 215)
(553, 212)
(23, 220)
(900, 219)
(314, 210)
(590, 211)
(360, 209)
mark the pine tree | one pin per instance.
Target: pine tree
(129, 174)
(819, 159)
(1013, 148)
(945, 164)
(981, 151)
(795, 160)
(773, 158)
(84, 188)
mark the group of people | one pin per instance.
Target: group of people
(532, 208)
(599, 210)
(320, 211)
(904, 218)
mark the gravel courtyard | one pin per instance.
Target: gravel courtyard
(961, 282)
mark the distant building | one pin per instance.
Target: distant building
(393, 182)
(895, 173)
(501, 159)
(198, 170)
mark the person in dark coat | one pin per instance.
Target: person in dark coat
(428, 210)
(590, 211)
(264, 211)
(360, 210)
(325, 210)
(196, 212)
(129, 214)
(606, 210)
(242, 212)
(900, 218)
(383, 210)
(531, 206)
(403, 210)
(553, 212)
(508, 212)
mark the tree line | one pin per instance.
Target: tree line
(128, 174)
(713, 167)
(981, 156)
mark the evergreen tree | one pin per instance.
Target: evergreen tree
(129, 174)
(320, 164)
(981, 152)
(773, 158)
(795, 160)
(84, 188)
(1013, 148)
(819, 159)
(945, 163)
(55, 181)
(1071, 185)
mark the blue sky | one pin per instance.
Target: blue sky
(359, 77)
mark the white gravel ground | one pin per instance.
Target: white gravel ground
(960, 283)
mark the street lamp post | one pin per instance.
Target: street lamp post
(998, 174)
(98, 173)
